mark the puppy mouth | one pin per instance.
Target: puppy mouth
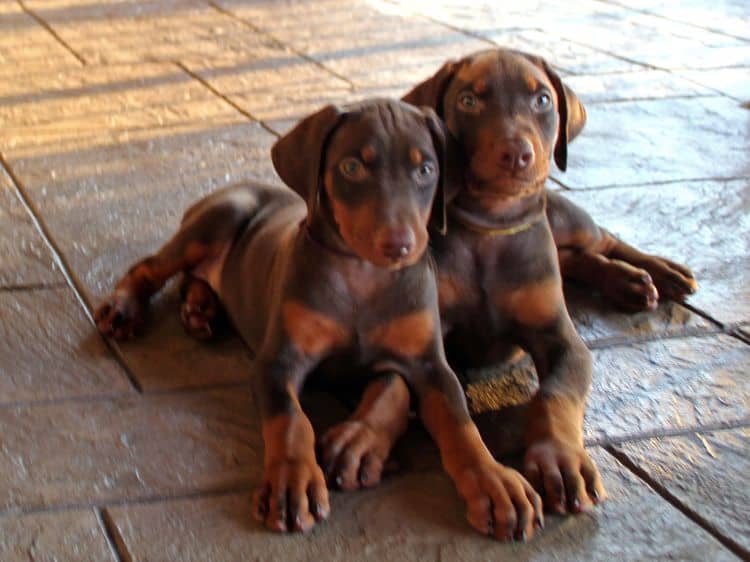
(501, 184)
(396, 263)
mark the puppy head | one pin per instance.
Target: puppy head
(375, 169)
(510, 112)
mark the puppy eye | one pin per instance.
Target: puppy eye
(352, 169)
(542, 101)
(425, 172)
(468, 101)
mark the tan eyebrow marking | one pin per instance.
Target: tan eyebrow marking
(368, 154)
(415, 155)
(479, 86)
(531, 83)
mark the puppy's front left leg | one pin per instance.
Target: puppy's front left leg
(499, 500)
(556, 461)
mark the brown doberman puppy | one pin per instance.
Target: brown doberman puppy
(499, 277)
(630, 279)
(344, 288)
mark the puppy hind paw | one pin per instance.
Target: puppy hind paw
(120, 316)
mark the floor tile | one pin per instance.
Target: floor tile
(414, 517)
(682, 226)
(50, 350)
(643, 142)
(611, 34)
(729, 81)
(82, 452)
(286, 88)
(24, 43)
(705, 472)
(568, 57)
(112, 32)
(636, 85)
(599, 323)
(668, 385)
(65, 535)
(729, 16)
(369, 43)
(127, 162)
(25, 258)
(103, 97)
(650, 387)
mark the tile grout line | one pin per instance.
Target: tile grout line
(737, 333)
(169, 392)
(30, 287)
(675, 96)
(113, 535)
(595, 188)
(686, 332)
(702, 313)
(675, 432)
(226, 99)
(681, 506)
(280, 43)
(702, 85)
(31, 13)
(230, 489)
(65, 268)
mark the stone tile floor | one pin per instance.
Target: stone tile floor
(116, 114)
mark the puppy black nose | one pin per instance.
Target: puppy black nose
(516, 154)
(397, 243)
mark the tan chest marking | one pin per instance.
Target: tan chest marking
(311, 332)
(535, 304)
(409, 335)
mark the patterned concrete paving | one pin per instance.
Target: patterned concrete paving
(116, 114)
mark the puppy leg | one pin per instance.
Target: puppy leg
(354, 453)
(292, 495)
(499, 501)
(556, 462)
(632, 280)
(122, 314)
(200, 310)
(206, 228)
(674, 281)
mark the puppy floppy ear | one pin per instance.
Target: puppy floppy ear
(298, 156)
(569, 108)
(431, 91)
(440, 139)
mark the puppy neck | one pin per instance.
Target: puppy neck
(497, 214)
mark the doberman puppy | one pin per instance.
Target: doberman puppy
(344, 288)
(629, 278)
(499, 278)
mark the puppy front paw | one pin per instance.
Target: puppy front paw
(565, 475)
(292, 497)
(499, 501)
(354, 454)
